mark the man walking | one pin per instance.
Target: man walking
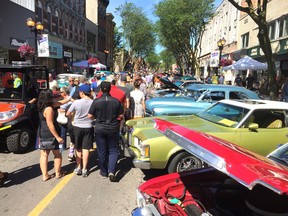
(107, 112)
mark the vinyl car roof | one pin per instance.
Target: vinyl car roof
(257, 104)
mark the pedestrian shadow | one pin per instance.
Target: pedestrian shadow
(124, 165)
(24, 174)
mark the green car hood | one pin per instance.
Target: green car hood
(143, 128)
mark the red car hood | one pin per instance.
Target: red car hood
(246, 167)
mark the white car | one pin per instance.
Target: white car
(62, 79)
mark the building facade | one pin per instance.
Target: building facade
(70, 34)
(240, 33)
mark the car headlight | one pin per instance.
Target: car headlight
(142, 199)
(8, 114)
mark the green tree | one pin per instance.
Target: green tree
(138, 33)
(180, 27)
(117, 46)
(153, 61)
(257, 12)
(167, 59)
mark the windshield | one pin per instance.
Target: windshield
(11, 85)
(224, 114)
(14, 83)
(280, 155)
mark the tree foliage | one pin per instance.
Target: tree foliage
(167, 59)
(180, 27)
(138, 32)
(153, 61)
(257, 12)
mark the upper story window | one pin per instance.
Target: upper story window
(245, 40)
(278, 28)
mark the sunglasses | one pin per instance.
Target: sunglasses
(71, 80)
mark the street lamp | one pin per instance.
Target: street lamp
(106, 52)
(220, 45)
(36, 28)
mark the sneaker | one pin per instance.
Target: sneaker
(112, 177)
(85, 173)
(71, 158)
(78, 171)
(103, 176)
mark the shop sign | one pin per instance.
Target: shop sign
(17, 42)
(214, 59)
(283, 46)
(48, 48)
(67, 54)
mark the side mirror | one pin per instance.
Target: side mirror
(253, 126)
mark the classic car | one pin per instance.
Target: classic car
(237, 182)
(196, 98)
(240, 122)
(62, 79)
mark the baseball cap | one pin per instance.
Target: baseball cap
(85, 88)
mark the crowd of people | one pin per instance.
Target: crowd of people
(96, 111)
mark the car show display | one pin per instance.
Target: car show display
(237, 181)
(261, 121)
(195, 98)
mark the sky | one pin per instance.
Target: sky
(146, 5)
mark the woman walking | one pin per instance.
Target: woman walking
(49, 128)
(137, 100)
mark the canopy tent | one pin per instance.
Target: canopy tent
(246, 63)
(98, 66)
(85, 63)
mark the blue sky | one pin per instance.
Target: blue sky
(146, 5)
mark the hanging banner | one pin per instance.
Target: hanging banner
(43, 46)
(214, 59)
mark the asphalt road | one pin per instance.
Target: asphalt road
(25, 193)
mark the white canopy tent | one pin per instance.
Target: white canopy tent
(246, 63)
(98, 66)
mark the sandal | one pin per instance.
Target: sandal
(4, 178)
(48, 178)
(62, 174)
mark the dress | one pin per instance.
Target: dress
(44, 131)
(137, 96)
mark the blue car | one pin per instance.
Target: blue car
(196, 98)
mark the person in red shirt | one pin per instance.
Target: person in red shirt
(116, 93)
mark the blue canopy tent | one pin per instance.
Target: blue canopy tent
(83, 63)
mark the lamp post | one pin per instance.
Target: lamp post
(220, 44)
(106, 52)
(36, 28)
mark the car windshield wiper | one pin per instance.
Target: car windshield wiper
(282, 160)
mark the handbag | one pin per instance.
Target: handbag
(61, 118)
(47, 143)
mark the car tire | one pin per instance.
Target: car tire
(19, 142)
(184, 162)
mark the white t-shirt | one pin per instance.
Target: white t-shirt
(53, 83)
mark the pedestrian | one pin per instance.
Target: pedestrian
(137, 100)
(48, 128)
(238, 80)
(53, 84)
(82, 129)
(64, 91)
(249, 81)
(107, 112)
(122, 86)
(3, 178)
(17, 82)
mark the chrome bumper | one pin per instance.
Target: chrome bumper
(148, 210)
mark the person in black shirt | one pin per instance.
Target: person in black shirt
(107, 112)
